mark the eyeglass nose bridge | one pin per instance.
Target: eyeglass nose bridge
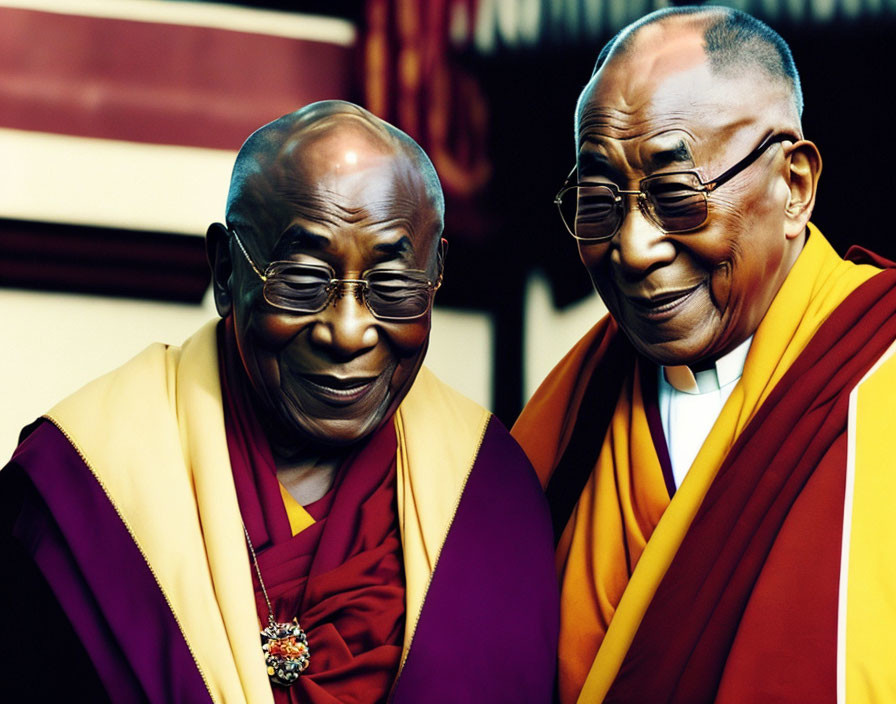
(336, 291)
(643, 205)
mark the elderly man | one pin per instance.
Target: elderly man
(715, 451)
(291, 470)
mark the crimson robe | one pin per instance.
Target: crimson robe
(485, 626)
(746, 610)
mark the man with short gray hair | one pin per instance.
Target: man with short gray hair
(715, 451)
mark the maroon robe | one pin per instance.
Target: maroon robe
(342, 576)
(747, 611)
(487, 630)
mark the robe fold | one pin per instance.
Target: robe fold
(740, 587)
(130, 499)
(341, 573)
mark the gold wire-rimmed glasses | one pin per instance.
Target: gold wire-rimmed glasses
(674, 201)
(395, 295)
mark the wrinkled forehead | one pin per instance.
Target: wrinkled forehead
(336, 173)
(661, 93)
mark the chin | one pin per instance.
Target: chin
(338, 433)
(671, 353)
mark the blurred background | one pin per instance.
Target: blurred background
(120, 120)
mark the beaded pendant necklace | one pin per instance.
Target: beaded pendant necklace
(285, 645)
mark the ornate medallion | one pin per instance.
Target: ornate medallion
(286, 651)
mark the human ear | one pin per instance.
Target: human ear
(804, 168)
(217, 249)
(443, 250)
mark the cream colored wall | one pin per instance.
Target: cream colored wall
(57, 342)
(549, 333)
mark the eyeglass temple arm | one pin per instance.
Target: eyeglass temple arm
(568, 181)
(748, 159)
(246, 255)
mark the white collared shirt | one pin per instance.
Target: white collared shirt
(690, 404)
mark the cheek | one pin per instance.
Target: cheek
(257, 330)
(260, 338)
(723, 252)
(273, 332)
(593, 255)
(408, 339)
(596, 259)
(408, 344)
(748, 254)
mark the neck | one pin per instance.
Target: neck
(304, 469)
(703, 365)
(309, 479)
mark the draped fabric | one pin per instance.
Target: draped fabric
(624, 532)
(614, 519)
(754, 515)
(150, 565)
(71, 562)
(341, 576)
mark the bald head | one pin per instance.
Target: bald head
(325, 202)
(278, 158)
(732, 41)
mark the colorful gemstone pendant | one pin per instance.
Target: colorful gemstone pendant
(286, 651)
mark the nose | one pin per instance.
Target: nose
(346, 328)
(640, 246)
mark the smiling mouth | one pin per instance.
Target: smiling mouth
(663, 305)
(338, 391)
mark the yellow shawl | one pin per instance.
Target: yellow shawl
(624, 507)
(152, 432)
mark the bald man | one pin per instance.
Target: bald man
(288, 507)
(716, 451)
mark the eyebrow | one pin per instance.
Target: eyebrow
(297, 237)
(596, 164)
(397, 249)
(678, 154)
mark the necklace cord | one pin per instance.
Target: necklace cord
(285, 645)
(258, 572)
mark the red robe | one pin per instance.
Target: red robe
(747, 608)
(342, 576)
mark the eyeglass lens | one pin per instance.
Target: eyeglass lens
(675, 203)
(303, 288)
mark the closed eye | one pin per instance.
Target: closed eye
(674, 195)
(595, 202)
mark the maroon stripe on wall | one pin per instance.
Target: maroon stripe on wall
(104, 261)
(157, 83)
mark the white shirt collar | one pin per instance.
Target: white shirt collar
(727, 369)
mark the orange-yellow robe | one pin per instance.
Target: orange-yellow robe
(672, 599)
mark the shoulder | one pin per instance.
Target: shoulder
(503, 454)
(547, 420)
(433, 414)
(142, 377)
(143, 389)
